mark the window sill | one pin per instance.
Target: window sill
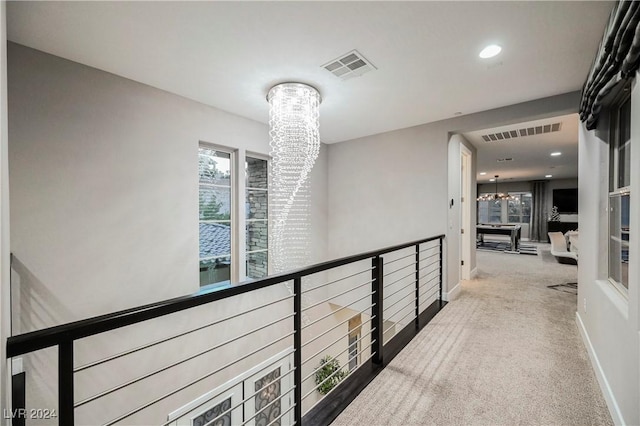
(210, 288)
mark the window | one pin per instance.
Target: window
(227, 216)
(256, 205)
(517, 210)
(214, 169)
(619, 193)
(353, 351)
(355, 326)
(490, 211)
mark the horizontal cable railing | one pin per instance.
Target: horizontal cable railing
(269, 351)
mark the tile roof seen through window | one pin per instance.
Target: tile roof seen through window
(215, 239)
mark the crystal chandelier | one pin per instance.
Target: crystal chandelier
(295, 144)
(497, 196)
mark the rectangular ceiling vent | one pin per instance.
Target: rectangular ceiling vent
(349, 65)
(520, 133)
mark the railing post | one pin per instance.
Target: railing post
(441, 273)
(18, 399)
(297, 346)
(65, 383)
(377, 287)
(417, 286)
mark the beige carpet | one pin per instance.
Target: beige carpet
(506, 352)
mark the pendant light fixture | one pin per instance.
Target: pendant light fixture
(497, 196)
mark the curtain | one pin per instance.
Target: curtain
(618, 59)
(539, 214)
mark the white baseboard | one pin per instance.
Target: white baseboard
(452, 294)
(474, 273)
(614, 409)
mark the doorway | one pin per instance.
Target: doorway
(465, 212)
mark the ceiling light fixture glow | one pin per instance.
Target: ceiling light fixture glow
(548, 176)
(490, 51)
(483, 173)
(295, 144)
(555, 154)
(497, 195)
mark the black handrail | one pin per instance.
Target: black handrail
(326, 410)
(53, 336)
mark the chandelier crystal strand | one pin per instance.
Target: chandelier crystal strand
(295, 143)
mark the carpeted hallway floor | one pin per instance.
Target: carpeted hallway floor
(506, 352)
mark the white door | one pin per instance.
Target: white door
(465, 212)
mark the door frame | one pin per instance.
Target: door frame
(465, 212)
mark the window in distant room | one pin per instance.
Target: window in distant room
(256, 202)
(517, 210)
(619, 193)
(214, 167)
(490, 211)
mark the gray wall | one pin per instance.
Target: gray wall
(104, 183)
(505, 187)
(104, 200)
(607, 319)
(391, 187)
(528, 186)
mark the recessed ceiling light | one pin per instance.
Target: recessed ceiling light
(490, 51)
(483, 173)
(548, 176)
(492, 180)
(555, 154)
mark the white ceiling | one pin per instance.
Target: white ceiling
(228, 54)
(531, 155)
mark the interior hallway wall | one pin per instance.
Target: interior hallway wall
(608, 319)
(391, 188)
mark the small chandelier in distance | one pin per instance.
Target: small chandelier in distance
(497, 196)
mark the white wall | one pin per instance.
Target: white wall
(391, 188)
(607, 319)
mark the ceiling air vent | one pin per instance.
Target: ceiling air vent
(349, 65)
(520, 133)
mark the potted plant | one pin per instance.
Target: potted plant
(325, 371)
